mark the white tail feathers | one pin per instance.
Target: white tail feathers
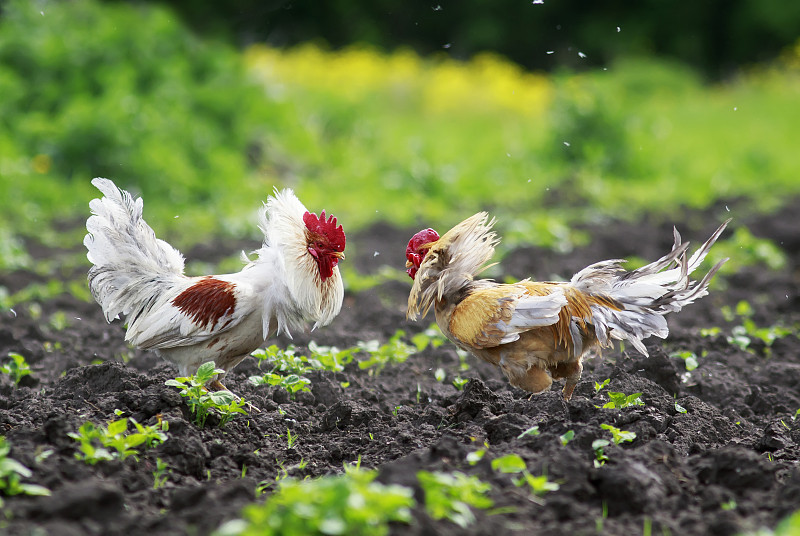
(129, 262)
(647, 293)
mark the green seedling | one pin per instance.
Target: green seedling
(292, 383)
(463, 366)
(350, 504)
(289, 362)
(103, 443)
(160, 474)
(689, 359)
(17, 368)
(513, 463)
(510, 463)
(566, 437)
(599, 386)
(621, 400)
(201, 401)
(59, 321)
(432, 337)
(599, 456)
(532, 431)
(679, 408)
(450, 496)
(539, 485)
(394, 351)
(11, 472)
(710, 332)
(600, 522)
(460, 382)
(744, 334)
(440, 375)
(477, 455)
(290, 439)
(617, 435)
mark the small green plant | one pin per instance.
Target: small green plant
(599, 456)
(160, 474)
(292, 383)
(744, 334)
(450, 496)
(599, 386)
(394, 351)
(59, 321)
(460, 382)
(477, 455)
(102, 443)
(289, 362)
(350, 504)
(440, 375)
(617, 435)
(533, 430)
(689, 359)
(11, 472)
(17, 368)
(430, 337)
(201, 401)
(510, 463)
(290, 439)
(621, 400)
(566, 437)
(513, 463)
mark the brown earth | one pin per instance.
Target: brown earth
(728, 464)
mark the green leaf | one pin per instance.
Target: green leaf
(533, 431)
(174, 383)
(205, 371)
(510, 463)
(118, 427)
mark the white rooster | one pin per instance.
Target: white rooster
(220, 318)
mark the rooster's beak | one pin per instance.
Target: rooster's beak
(339, 255)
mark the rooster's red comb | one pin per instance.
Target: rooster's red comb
(424, 237)
(325, 227)
(414, 251)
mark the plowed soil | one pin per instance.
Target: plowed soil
(727, 465)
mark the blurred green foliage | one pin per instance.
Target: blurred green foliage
(125, 92)
(203, 132)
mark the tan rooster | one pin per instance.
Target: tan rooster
(192, 320)
(540, 331)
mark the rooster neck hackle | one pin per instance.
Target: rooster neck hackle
(286, 234)
(452, 262)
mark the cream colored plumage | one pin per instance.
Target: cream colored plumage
(540, 331)
(191, 320)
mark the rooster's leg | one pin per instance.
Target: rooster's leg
(571, 372)
(216, 385)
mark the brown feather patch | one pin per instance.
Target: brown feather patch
(473, 321)
(207, 301)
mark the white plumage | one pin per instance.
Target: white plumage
(192, 320)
